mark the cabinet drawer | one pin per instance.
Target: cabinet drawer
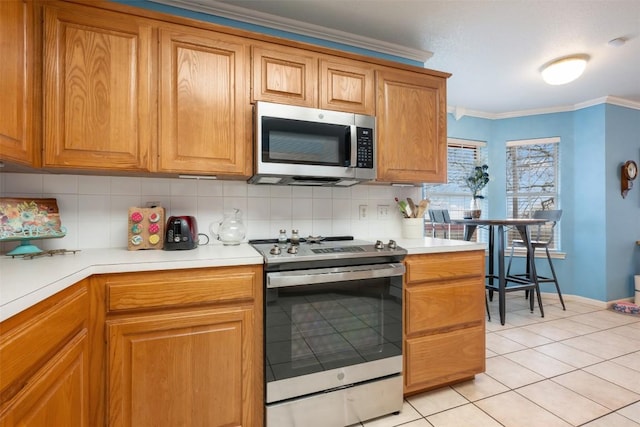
(27, 346)
(179, 288)
(436, 306)
(444, 358)
(443, 266)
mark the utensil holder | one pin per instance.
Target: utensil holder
(413, 228)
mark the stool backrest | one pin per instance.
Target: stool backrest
(440, 218)
(552, 216)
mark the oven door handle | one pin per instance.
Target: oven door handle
(337, 274)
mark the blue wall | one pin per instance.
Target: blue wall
(622, 142)
(598, 228)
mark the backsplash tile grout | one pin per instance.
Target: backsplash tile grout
(94, 208)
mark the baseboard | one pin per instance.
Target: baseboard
(581, 299)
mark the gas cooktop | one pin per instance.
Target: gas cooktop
(328, 251)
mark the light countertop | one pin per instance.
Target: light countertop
(25, 282)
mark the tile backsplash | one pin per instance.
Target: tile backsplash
(94, 208)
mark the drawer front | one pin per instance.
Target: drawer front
(436, 306)
(189, 287)
(443, 358)
(444, 266)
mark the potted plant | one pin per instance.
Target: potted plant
(476, 181)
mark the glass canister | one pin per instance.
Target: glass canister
(231, 230)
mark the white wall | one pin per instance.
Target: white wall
(94, 208)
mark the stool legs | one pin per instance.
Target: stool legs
(555, 278)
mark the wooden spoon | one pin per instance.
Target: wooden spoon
(413, 207)
(422, 207)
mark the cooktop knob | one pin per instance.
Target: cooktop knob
(293, 249)
(379, 244)
(275, 250)
(392, 244)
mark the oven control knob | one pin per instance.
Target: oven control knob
(275, 250)
(392, 244)
(292, 249)
(379, 244)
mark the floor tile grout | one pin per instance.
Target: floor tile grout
(591, 319)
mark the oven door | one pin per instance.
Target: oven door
(331, 327)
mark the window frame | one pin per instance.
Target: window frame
(535, 199)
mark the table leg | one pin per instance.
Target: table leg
(531, 267)
(502, 282)
(491, 255)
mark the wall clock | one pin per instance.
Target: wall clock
(628, 173)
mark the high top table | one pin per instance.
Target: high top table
(496, 231)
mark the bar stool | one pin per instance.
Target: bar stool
(539, 241)
(440, 218)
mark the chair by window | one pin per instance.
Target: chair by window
(542, 239)
(440, 219)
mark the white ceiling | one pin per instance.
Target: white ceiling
(494, 48)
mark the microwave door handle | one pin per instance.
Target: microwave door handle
(353, 161)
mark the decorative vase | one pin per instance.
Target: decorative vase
(474, 208)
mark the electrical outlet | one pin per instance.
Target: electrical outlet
(363, 212)
(383, 211)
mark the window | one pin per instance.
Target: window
(532, 181)
(462, 156)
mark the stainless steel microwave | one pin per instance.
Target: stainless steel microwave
(308, 146)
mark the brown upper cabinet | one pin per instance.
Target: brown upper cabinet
(130, 90)
(205, 115)
(18, 83)
(98, 89)
(412, 127)
(294, 76)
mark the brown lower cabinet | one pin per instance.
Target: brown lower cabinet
(184, 347)
(158, 348)
(444, 326)
(44, 363)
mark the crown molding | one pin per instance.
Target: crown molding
(248, 16)
(459, 112)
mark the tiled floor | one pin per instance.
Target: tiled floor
(579, 367)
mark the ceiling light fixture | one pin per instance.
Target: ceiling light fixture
(564, 70)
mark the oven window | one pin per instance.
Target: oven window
(316, 328)
(300, 142)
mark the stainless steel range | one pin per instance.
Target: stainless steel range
(333, 331)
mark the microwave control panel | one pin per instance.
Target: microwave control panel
(365, 148)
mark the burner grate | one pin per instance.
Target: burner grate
(51, 252)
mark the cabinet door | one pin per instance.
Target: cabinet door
(44, 363)
(286, 75)
(347, 86)
(57, 395)
(97, 103)
(412, 127)
(18, 141)
(182, 369)
(205, 114)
